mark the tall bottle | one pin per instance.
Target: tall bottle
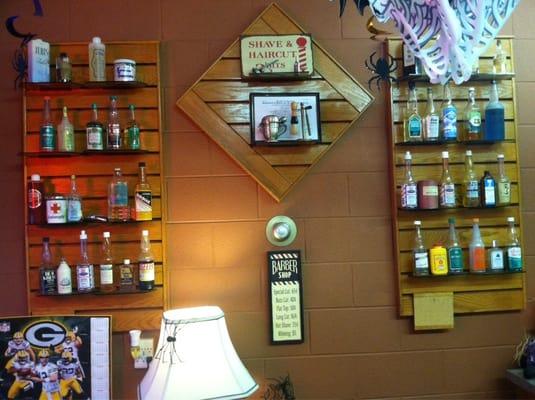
(132, 140)
(455, 252)
(494, 116)
(106, 265)
(412, 123)
(74, 203)
(472, 115)
(118, 198)
(449, 116)
(65, 133)
(47, 272)
(143, 196)
(113, 132)
(419, 253)
(447, 187)
(47, 132)
(477, 249)
(94, 131)
(85, 278)
(409, 191)
(36, 201)
(503, 183)
(431, 121)
(514, 249)
(470, 183)
(488, 190)
(64, 278)
(97, 60)
(498, 63)
(146, 263)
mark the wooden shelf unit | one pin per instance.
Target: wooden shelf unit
(93, 172)
(472, 293)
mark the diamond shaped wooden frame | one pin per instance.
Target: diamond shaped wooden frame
(219, 104)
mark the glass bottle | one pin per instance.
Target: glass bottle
(494, 116)
(477, 249)
(496, 260)
(455, 252)
(47, 272)
(85, 278)
(106, 265)
(64, 278)
(449, 116)
(74, 203)
(420, 253)
(127, 281)
(472, 115)
(146, 263)
(470, 183)
(498, 62)
(514, 250)
(65, 133)
(412, 123)
(143, 196)
(94, 131)
(63, 68)
(36, 201)
(431, 121)
(488, 190)
(47, 132)
(131, 133)
(503, 183)
(118, 198)
(113, 133)
(447, 187)
(409, 192)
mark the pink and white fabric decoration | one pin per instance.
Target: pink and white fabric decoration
(463, 30)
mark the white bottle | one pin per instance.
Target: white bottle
(64, 278)
(97, 60)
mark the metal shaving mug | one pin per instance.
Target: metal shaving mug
(272, 127)
(124, 70)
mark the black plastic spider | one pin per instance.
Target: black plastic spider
(282, 389)
(382, 67)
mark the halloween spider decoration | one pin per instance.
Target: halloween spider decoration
(360, 4)
(382, 67)
(282, 389)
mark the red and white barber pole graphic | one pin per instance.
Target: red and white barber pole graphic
(301, 44)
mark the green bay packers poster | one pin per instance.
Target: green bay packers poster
(55, 358)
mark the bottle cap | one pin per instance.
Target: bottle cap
(510, 219)
(445, 154)
(145, 232)
(135, 334)
(35, 178)
(117, 169)
(63, 55)
(106, 234)
(113, 97)
(73, 177)
(451, 220)
(47, 98)
(46, 239)
(126, 261)
(494, 243)
(475, 220)
(131, 107)
(97, 40)
(468, 152)
(500, 156)
(94, 105)
(417, 223)
(408, 155)
(142, 164)
(83, 235)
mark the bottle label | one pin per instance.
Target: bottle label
(430, 191)
(421, 263)
(106, 274)
(432, 123)
(449, 121)
(474, 122)
(120, 194)
(447, 195)
(66, 139)
(84, 277)
(97, 64)
(114, 136)
(48, 281)
(132, 134)
(143, 201)
(415, 127)
(94, 138)
(477, 261)
(127, 276)
(490, 193)
(64, 279)
(496, 259)
(504, 192)
(408, 57)
(455, 258)
(47, 138)
(35, 198)
(472, 190)
(439, 261)
(514, 258)
(74, 210)
(409, 196)
(146, 271)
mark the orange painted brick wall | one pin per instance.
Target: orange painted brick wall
(356, 347)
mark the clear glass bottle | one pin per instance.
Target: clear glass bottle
(504, 183)
(419, 253)
(449, 116)
(514, 249)
(118, 209)
(113, 132)
(63, 68)
(477, 249)
(74, 203)
(131, 133)
(431, 121)
(472, 116)
(496, 261)
(64, 278)
(499, 65)
(94, 131)
(488, 190)
(106, 265)
(47, 131)
(494, 116)
(470, 183)
(65, 133)
(47, 272)
(127, 279)
(143, 196)
(409, 191)
(85, 278)
(447, 187)
(412, 123)
(146, 263)
(455, 251)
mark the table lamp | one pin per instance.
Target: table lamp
(195, 359)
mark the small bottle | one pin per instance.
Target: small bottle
(439, 260)
(411, 63)
(65, 133)
(470, 183)
(472, 115)
(431, 121)
(496, 259)
(127, 281)
(47, 132)
(132, 140)
(488, 190)
(106, 265)
(36, 201)
(113, 132)
(63, 275)
(449, 116)
(455, 252)
(135, 349)
(477, 249)
(118, 198)
(494, 116)
(143, 196)
(514, 250)
(146, 263)
(74, 203)
(47, 272)
(412, 123)
(498, 62)
(419, 252)
(294, 122)
(409, 191)
(63, 68)
(447, 187)
(85, 277)
(94, 131)
(97, 60)
(503, 183)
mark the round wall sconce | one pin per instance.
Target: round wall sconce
(281, 231)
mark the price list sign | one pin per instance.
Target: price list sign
(286, 297)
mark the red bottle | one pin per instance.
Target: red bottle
(36, 201)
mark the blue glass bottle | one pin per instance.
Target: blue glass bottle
(494, 116)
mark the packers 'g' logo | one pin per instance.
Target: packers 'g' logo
(45, 334)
